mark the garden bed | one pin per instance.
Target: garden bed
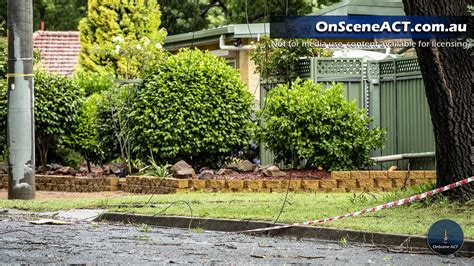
(308, 174)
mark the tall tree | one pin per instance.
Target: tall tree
(3, 16)
(118, 35)
(180, 16)
(255, 10)
(57, 14)
(447, 74)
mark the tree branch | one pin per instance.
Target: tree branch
(213, 3)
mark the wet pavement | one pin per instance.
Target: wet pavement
(85, 242)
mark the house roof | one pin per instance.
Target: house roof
(208, 36)
(59, 50)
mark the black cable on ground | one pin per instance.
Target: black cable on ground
(179, 202)
(9, 229)
(155, 190)
(267, 76)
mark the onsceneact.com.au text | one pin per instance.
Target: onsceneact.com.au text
(397, 26)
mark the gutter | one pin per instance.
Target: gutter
(223, 46)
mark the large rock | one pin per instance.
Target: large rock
(118, 169)
(206, 175)
(54, 166)
(187, 173)
(66, 170)
(243, 166)
(225, 171)
(263, 167)
(82, 169)
(183, 170)
(273, 171)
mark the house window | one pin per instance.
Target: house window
(232, 63)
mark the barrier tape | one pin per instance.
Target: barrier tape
(374, 209)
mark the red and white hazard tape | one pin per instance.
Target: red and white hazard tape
(374, 209)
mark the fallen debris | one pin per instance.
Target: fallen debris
(49, 221)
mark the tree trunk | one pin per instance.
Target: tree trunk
(89, 168)
(42, 145)
(44, 154)
(447, 75)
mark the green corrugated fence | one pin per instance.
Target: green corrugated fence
(391, 90)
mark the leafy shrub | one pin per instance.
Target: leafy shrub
(158, 170)
(3, 116)
(193, 107)
(65, 156)
(93, 82)
(57, 101)
(113, 122)
(324, 128)
(84, 133)
(3, 57)
(272, 61)
(3, 94)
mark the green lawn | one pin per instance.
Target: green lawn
(414, 219)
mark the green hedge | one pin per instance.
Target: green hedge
(3, 57)
(321, 126)
(84, 137)
(193, 107)
(57, 102)
(92, 82)
(3, 117)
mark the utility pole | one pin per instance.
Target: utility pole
(20, 126)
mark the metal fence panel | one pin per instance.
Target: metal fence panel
(393, 92)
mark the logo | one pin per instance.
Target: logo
(445, 237)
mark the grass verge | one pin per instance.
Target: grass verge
(414, 219)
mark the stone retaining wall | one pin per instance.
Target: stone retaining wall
(344, 181)
(70, 183)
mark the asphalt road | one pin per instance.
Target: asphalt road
(22, 242)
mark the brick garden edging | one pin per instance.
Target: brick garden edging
(70, 183)
(344, 181)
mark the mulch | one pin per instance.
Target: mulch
(294, 174)
(98, 172)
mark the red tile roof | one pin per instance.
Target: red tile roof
(59, 50)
